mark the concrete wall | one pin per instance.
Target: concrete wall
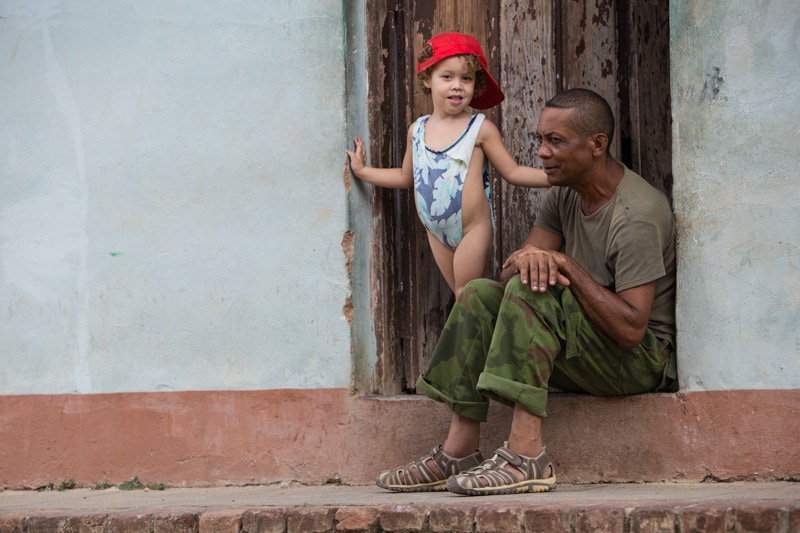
(171, 203)
(736, 160)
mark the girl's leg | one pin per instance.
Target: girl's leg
(471, 257)
(444, 260)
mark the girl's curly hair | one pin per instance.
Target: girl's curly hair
(473, 64)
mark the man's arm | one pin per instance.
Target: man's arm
(622, 316)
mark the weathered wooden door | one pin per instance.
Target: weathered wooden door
(535, 49)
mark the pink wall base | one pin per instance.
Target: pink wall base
(221, 437)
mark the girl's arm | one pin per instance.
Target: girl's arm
(394, 178)
(497, 154)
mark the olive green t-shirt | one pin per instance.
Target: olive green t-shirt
(628, 242)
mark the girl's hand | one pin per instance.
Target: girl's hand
(358, 156)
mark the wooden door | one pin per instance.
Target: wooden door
(535, 49)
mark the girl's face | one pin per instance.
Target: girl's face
(452, 85)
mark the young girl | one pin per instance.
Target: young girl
(445, 158)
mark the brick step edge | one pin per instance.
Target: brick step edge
(774, 516)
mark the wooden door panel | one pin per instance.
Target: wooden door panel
(646, 121)
(588, 50)
(528, 79)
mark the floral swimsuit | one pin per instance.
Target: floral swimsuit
(439, 179)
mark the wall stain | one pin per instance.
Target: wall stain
(347, 311)
(347, 248)
(581, 48)
(712, 85)
(602, 14)
(346, 174)
(607, 69)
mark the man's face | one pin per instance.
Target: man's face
(566, 156)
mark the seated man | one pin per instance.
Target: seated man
(585, 305)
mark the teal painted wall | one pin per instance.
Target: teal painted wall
(171, 199)
(736, 160)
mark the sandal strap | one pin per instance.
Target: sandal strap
(450, 466)
(491, 477)
(532, 467)
(419, 474)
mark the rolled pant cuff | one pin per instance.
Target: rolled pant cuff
(477, 411)
(532, 399)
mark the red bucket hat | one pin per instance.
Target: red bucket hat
(447, 45)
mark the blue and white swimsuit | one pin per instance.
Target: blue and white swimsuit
(439, 179)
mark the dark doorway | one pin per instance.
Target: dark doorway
(620, 48)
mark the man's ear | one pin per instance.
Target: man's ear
(599, 142)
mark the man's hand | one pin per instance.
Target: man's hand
(537, 267)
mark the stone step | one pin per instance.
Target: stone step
(286, 508)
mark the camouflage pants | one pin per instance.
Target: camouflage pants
(509, 343)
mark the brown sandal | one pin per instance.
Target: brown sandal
(417, 476)
(492, 477)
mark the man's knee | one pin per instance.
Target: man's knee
(515, 286)
(481, 288)
(518, 291)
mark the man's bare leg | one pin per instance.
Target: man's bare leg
(526, 433)
(463, 438)
(520, 459)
